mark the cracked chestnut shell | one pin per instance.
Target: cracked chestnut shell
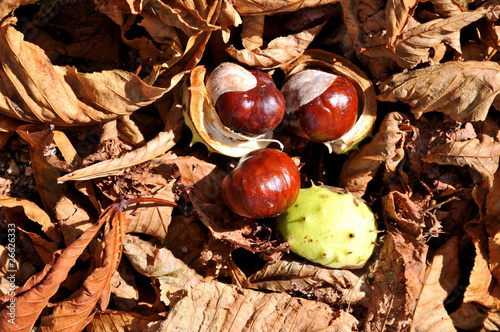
(247, 101)
(321, 106)
(265, 183)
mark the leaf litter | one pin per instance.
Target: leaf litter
(127, 229)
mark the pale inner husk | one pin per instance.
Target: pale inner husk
(303, 87)
(229, 77)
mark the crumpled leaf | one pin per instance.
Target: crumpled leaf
(74, 313)
(481, 154)
(221, 307)
(449, 8)
(172, 274)
(414, 45)
(40, 141)
(443, 276)
(267, 7)
(473, 317)
(284, 49)
(397, 13)
(399, 276)
(492, 211)
(62, 96)
(329, 285)
(155, 147)
(386, 147)
(37, 291)
(34, 213)
(483, 288)
(116, 320)
(73, 217)
(462, 90)
(124, 288)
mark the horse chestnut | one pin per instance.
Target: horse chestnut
(265, 183)
(247, 101)
(320, 106)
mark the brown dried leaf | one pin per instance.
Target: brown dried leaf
(193, 52)
(267, 7)
(73, 218)
(330, 285)
(443, 276)
(62, 96)
(37, 291)
(483, 288)
(414, 45)
(163, 142)
(398, 279)
(386, 147)
(8, 6)
(34, 213)
(74, 313)
(462, 90)
(220, 307)
(114, 320)
(284, 49)
(449, 8)
(252, 31)
(492, 211)
(124, 288)
(481, 154)
(397, 13)
(473, 317)
(153, 261)
(45, 249)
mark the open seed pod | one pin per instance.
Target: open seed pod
(202, 118)
(367, 103)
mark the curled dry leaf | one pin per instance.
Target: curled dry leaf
(398, 279)
(492, 211)
(473, 317)
(152, 261)
(154, 148)
(37, 291)
(462, 90)
(480, 154)
(329, 285)
(397, 13)
(35, 214)
(124, 288)
(283, 49)
(483, 288)
(62, 96)
(449, 8)
(267, 7)
(386, 147)
(221, 307)
(415, 44)
(114, 320)
(442, 277)
(95, 292)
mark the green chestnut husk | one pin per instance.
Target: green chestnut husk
(330, 226)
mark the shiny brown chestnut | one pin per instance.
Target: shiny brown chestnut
(265, 183)
(321, 106)
(247, 101)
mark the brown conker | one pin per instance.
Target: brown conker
(253, 111)
(265, 183)
(320, 106)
